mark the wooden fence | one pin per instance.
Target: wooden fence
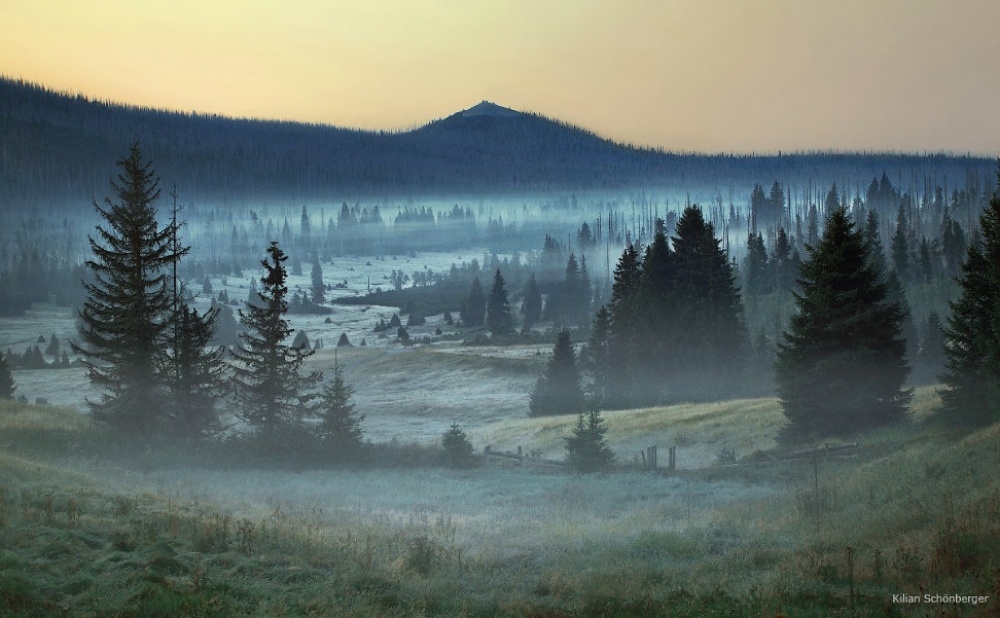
(510, 458)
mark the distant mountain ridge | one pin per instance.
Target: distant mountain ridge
(57, 148)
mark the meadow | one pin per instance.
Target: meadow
(90, 526)
(914, 509)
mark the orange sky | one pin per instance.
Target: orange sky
(698, 75)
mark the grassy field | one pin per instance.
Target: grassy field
(915, 510)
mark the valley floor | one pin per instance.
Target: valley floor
(914, 509)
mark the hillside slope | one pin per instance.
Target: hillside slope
(59, 148)
(915, 511)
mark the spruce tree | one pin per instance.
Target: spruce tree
(873, 237)
(127, 312)
(587, 449)
(53, 347)
(709, 331)
(6, 379)
(272, 394)
(972, 350)
(195, 373)
(474, 310)
(781, 262)
(498, 317)
(340, 425)
(841, 366)
(900, 247)
(812, 226)
(597, 358)
(457, 447)
(558, 390)
(908, 329)
(318, 289)
(574, 298)
(654, 349)
(832, 201)
(925, 261)
(532, 307)
(755, 266)
(627, 332)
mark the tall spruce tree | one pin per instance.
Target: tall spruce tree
(710, 333)
(908, 329)
(194, 372)
(781, 262)
(876, 252)
(532, 306)
(127, 312)
(318, 289)
(498, 316)
(597, 357)
(474, 309)
(901, 247)
(972, 350)
(755, 269)
(841, 366)
(268, 384)
(655, 307)
(627, 332)
(340, 425)
(6, 379)
(575, 294)
(812, 226)
(558, 390)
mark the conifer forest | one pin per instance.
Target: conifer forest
(495, 365)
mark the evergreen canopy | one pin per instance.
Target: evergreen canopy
(340, 425)
(266, 373)
(6, 379)
(128, 308)
(195, 372)
(842, 364)
(473, 311)
(498, 316)
(972, 349)
(587, 449)
(558, 390)
(675, 323)
(532, 307)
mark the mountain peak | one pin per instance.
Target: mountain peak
(486, 108)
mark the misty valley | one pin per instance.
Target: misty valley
(493, 366)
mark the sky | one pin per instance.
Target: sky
(735, 76)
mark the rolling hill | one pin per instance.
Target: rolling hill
(58, 148)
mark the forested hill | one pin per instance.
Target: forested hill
(57, 148)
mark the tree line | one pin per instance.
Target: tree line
(151, 354)
(674, 326)
(672, 330)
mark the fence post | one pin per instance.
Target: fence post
(672, 456)
(850, 574)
